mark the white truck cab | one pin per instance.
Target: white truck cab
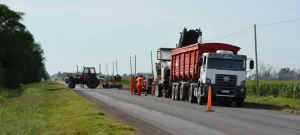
(226, 73)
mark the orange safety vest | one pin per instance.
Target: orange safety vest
(140, 81)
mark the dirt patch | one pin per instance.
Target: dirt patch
(140, 127)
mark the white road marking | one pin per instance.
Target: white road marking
(220, 114)
(292, 130)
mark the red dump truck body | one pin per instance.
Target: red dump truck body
(184, 61)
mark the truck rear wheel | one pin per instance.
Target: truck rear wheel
(182, 92)
(177, 93)
(191, 95)
(173, 92)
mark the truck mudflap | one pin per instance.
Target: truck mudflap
(239, 92)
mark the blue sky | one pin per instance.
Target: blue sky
(93, 32)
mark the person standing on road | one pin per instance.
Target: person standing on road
(82, 81)
(132, 85)
(140, 84)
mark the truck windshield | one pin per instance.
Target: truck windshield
(226, 64)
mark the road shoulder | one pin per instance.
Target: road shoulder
(140, 127)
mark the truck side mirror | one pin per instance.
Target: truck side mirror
(200, 61)
(251, 64)
(4, 64)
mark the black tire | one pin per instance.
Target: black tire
(71, 85)
(92, 82)
(182, 92)
(191, 94)
(173, 92)
(200, 100)
(240, 103)
(177, 93)
(160, 89)
(149, 90)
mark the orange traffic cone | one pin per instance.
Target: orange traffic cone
(209, 100)
(101, 85)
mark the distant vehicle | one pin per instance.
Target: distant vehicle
(113, 82)
(148, 78)
(66, 78)
(101, 78)
(55, 79)
(88, 76)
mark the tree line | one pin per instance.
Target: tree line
(23, 55)
(268, 72)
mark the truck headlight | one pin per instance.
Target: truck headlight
(243, 83)
(208, 81)
(242, 90)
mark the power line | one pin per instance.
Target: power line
(262, 25)
(231, 34)
(274, 23)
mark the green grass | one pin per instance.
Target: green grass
(50, 108)
(289, 105)
(125, 82)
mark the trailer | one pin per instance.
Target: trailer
(196, 66)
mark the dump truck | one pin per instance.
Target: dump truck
(196, 66)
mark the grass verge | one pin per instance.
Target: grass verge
(287, 105)
(50, 108)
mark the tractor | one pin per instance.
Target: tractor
(88, 77)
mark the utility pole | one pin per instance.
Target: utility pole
(151, 64)
(130, 66)
(256, 61)
(117, 67)
(134, 64)
(113, 69)
(77, 69)
(106, 70)
(99, 69)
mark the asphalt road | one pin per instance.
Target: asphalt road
(183, 118)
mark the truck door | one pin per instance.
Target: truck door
(202, 64)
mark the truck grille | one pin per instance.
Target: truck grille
(226, 82)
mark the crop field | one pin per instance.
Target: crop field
(284, 89)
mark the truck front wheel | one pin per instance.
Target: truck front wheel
(239, 102)
(200, 100)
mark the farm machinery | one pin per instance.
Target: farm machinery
(88, 77)
(113, 82)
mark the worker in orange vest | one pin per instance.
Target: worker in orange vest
(140, 84)
(132, 85)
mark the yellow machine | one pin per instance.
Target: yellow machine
(113, 82)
